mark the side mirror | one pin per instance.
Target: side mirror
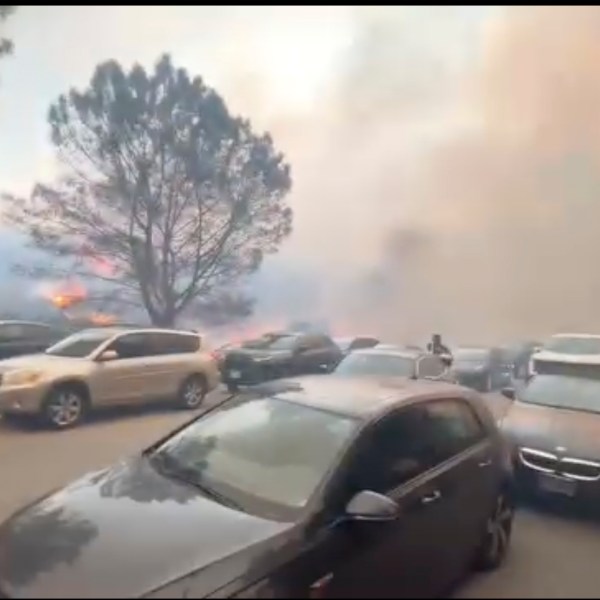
(370, 506)
(108, 355)
(508, 392)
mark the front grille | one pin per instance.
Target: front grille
(575, 468)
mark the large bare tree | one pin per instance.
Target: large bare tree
(6, 45)
(168, 198)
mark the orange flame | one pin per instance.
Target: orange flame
(104, 319)
(65, 296)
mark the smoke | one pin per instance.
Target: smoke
(445, 159)
(455, 193)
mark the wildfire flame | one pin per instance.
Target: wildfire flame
(66, 295)
(102, 319)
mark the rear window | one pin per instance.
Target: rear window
(175, 343)
(574, 345)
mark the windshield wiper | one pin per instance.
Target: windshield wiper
(170, 467)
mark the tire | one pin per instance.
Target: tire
(496, 538)
(192, 392)
(65, 406)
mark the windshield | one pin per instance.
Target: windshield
(263, 451)
(471, 356)
(285, 342)
(574, 393)
(79, 345)
(574, 345)
(373, 364)
(343, 343)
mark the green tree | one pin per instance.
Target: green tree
(6, 45)
(179, 198)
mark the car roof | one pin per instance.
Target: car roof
(365, 399)
(572, 359)
(390, 351)
(577, 335)
(110, 331)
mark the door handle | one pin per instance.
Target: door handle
(431, 498)
(485, 463)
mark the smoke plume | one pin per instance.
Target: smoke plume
(459, 200)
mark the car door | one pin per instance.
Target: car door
(398, 558)
(319, 353)
(128, 378)
(468, 481)
(170, 364)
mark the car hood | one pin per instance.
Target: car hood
(545, 428)
(124, 532)
(35, 361)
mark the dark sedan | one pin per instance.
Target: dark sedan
(280, 355)
(554, 426)
(315, 488)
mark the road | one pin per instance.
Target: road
(553, 555)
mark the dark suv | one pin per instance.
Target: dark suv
(281, 355)
(22, 337)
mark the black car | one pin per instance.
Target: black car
(393, 362)
(281, 355)
(483, 369)
(18, 338)
(349, 344)
(324, 488)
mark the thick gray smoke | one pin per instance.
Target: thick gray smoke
(463, 201)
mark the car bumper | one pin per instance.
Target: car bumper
(530, 482)
(21, 399)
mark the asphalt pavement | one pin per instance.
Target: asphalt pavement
(554, 554)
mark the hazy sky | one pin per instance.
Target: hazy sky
(271, 64)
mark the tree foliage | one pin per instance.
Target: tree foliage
(176, 199)
(6, 45)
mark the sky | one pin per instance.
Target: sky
(431, 148)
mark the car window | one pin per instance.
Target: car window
(11, 332)
(573, 345)
(376, 365)
(79, 345)
(315, 341)
(261, 452)
(452, 427)
(360, 343)
(396, 450)
(430, 366)
(175, 343)
(134, 345)
(407, 443)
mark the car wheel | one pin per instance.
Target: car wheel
(64, 407)
(192, 392)
(496, 539)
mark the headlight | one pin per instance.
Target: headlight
(21, 377)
